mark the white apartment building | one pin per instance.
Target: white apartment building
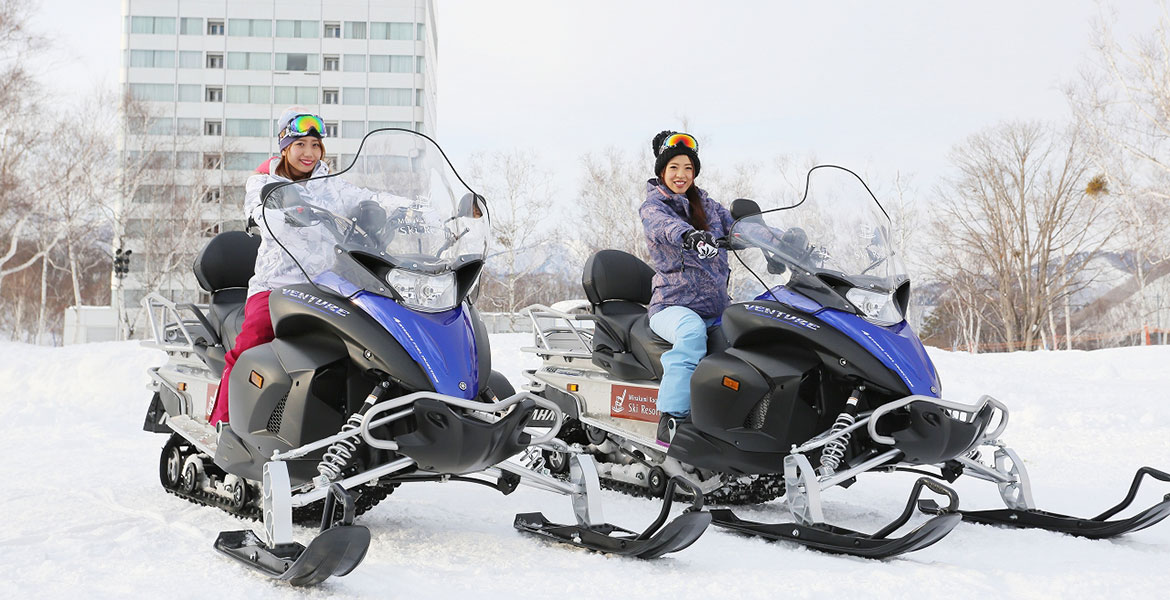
(215, 75)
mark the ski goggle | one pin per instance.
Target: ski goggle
(302, 125)
(680, 139)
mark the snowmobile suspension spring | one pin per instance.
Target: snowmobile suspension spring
(834, 450)
(339, 454)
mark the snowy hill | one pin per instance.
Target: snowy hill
(84, 515)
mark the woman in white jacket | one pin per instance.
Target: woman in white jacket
(301, 150)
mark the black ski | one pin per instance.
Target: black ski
(838, 540)
(1098, 527)
(654, 542)
(337, 549)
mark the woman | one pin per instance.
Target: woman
(301, 150)
(690, 282)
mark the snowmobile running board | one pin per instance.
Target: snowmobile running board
(654, 542)
(838, 540)
(337, 550)
(1098, 527)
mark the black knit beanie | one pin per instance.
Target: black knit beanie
(661, 157)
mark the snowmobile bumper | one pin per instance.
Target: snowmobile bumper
(838, 540)
(337, 550)
(656, 540)
(1098, 527)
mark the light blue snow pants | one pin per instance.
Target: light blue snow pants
(685, 329)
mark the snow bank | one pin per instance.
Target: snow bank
(83, 513)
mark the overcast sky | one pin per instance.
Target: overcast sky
(880, 86)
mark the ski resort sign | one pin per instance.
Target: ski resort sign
(637, 403)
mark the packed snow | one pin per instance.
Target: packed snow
(84, 515)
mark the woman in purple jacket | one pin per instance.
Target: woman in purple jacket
(690, 283)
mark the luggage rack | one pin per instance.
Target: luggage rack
(559, 333)
(170, 331)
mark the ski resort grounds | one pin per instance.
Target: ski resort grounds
(84, 515)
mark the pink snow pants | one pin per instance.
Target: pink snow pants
(256, 330)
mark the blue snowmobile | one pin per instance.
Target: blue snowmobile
(816, 381)
(380, 375)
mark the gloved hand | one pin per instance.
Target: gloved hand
(701, 242)
(370, 217)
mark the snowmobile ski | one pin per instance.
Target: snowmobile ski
(337, 550)
(654, 542)
(838, 540)
(1098, 527)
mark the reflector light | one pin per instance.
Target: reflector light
(572, 387)
(256, 379)
(730, 383)
(182, 386)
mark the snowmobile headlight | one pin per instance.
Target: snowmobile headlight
(878, 308)
(420, 291)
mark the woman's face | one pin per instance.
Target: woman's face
(679, 174)
(303, 154)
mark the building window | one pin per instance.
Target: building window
(214, 94)
(418, 97)
(330, 128)
(331, 63)
(296, 62)
(250, 27)
(212, 195)
(214, 27)
(152, 59)
(391, 31)
(355, 63)
(158, 92)
(159, 25)
(421, 32)
(247, 94)
(296, 29)
(190, 92)
(286, 95)
(353, 129)
(251, 61)
(190, 59)
(419, 65)
(353, 96)
(187, 160)
(355, 30)
(191, 26)
(212, 127)
(333, 30)
(384, 124)
(246, 128)
(391, 96)
(329, 96)
(214, 61)
(244, 161)
(188, 126)
(212, 161)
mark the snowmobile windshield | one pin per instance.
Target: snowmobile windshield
(837, 236)
(398, 221)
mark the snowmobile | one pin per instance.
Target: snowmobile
(814, 382)
(379, 375)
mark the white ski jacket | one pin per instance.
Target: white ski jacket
(274, 267)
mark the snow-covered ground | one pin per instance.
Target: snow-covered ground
(82, 513)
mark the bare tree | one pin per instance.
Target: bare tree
(613, 188)
(1018, 217)
(519, 193)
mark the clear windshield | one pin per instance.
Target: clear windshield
(399, 204)
(838, 229)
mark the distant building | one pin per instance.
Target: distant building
(214, 75)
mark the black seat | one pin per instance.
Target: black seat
(223, 269)
(618, 286)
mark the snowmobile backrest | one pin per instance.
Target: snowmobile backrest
(227, 261)
(617, 275)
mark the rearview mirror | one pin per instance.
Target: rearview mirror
(470, 205)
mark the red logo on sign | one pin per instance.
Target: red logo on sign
(637, 403)
(209, 400)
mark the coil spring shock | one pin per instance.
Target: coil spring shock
(339, 454)
(834, 450)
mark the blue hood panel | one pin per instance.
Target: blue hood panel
(443, 344)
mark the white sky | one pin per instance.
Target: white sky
(881, 86)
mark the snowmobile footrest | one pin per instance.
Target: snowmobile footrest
(1098, 527)
(337, 550)
(838, 540)
(654, 542)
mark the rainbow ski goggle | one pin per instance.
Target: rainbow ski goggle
(680, 139)
(302, 125)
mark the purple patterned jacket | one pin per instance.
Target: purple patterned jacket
(681, 278)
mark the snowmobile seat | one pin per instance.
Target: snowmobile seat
(223, 269)
(618, 286)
